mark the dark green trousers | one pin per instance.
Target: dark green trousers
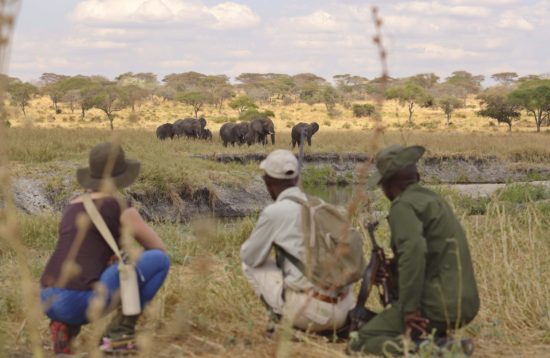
(382, 335)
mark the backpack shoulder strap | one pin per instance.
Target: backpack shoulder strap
(100, 225)
(297, 200)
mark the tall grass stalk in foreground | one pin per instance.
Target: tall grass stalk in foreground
(360, 197)
(9, 234)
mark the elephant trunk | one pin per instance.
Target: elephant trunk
(273, 138)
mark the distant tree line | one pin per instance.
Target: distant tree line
(502, 102)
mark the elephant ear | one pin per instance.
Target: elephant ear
(202, 122)
(314, 127)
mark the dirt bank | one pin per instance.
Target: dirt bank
(35, 196)
(455, 169)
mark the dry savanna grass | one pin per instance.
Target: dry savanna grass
(206, 307)
(152, 113)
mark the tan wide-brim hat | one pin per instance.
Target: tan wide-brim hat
(391, 159)
(107, 161)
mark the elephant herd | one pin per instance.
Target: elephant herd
(256, 131)
(187, 127)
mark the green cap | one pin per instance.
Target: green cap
(391, 159)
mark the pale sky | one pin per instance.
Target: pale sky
(325, 37)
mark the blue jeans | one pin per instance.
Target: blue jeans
(70, 306)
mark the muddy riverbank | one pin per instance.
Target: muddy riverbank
(475, 177)
(454, 169)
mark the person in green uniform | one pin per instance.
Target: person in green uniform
(437, 290)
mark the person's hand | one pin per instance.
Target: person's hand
(112, 260)
(381, 275)
(415, 321)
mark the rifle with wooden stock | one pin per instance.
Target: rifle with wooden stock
(377, 266)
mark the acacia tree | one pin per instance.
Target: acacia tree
(350, 84)
(77, 92)
(133, 94)
(72, 98)
(109, 98)
(21, 94)
(52, 88)
(448, 104)
(185, 82)
(497, 105)
(146, 80)
(330, 97)
(265, 86)
(465, 82)
(219, 88)
(505, 78)
(88, 95)
(165, 92)
(425, 80)
(534, 97)
(242, 104)
(409, 94)
(194, 99)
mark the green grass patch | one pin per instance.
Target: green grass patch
(523, 193)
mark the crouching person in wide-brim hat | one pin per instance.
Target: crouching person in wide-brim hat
(80, 281)
(281, 284)
(437, 291)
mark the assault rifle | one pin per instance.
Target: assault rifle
(387, 288)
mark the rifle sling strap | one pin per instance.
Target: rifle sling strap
(282, 255)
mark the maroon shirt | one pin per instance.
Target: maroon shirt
(93, 255)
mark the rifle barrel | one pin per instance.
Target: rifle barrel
(371, 228)
(301, 155)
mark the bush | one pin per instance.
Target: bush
(334, 113)
(254, 113)
(346, 126)
(287, 101)
(133, 117)
(219, 120)
(363, 110)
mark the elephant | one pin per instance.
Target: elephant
(308, 129)
(233, 133)
(258, 130)
(206, 134)
(165, 131)
(189, 127)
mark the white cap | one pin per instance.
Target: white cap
(280, 164)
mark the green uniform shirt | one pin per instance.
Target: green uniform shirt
(435, 273)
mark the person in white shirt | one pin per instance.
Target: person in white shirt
(278, 282)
